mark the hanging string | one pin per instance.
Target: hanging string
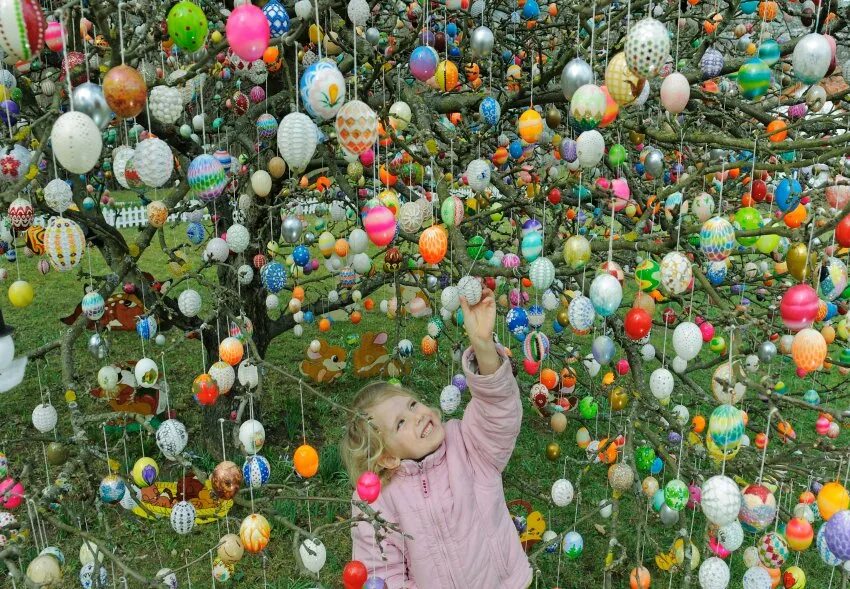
(165, 381)
(301, 396)
(592, 39)
(67, 65)
(319, 33)
(120, 33)
(354, 35)
(297, 94)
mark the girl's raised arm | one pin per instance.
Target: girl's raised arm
(492, 419)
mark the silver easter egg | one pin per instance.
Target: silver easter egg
(575, 74)
(669, 517)
(291, 229)
(97, 346)
(767, 351)
(654, 163)
(373, 35)
(482, 41)
(88, 98)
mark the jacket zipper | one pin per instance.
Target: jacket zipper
(426, 492)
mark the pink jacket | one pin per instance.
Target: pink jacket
(452, 504)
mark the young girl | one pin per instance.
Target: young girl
(442, 482)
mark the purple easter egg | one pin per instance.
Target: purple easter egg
(459, 381)
(569, 150)
(9, 111)
(423, 62)
(838, 535)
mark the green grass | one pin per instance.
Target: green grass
(152, 545)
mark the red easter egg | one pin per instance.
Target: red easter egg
(354, 575)
(637, 323)
(842, 232)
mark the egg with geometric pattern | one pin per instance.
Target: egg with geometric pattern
(183, 517)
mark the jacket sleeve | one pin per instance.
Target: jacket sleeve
(390, 564)
(493, 416)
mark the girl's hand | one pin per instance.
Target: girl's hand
(480, 320)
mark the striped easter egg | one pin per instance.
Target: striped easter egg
(53, 36)
(64, 243)
(206, 177)
(22, 28)
(531, 246)
(380, 225)
(754, 78)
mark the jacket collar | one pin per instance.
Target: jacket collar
(416, 467)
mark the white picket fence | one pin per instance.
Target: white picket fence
(126, 215)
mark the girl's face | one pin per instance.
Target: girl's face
(410, 429)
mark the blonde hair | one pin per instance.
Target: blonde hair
(362, 444)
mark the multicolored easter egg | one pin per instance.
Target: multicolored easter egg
(206, 177)
(823, 550)
(145, 471)
(581, 313)
(531, 246)
(256, 470)
(717, 239)
(622, 83)
(648, 275)
(587, 108)
(112, 488)
(726, 427)
(22, 28)
(490, 111)
(754, 78)
(255, 533)
(278, 18)
(93, 305)
(322, 89)
(773, 550)
(833, 278)
(530, 126)
(758, 508)
(573, 545)
(65, 243)
(273, 277)
(356, 126)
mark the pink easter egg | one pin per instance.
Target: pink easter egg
(799, 307)
(695, 496)
(707, 330)
(11, 493)
(53, 36)
(247, 31)
(367, 158)
(369, 486)
(380, 225)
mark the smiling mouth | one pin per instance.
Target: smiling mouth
(427, 431)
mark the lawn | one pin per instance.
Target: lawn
(152, 545)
